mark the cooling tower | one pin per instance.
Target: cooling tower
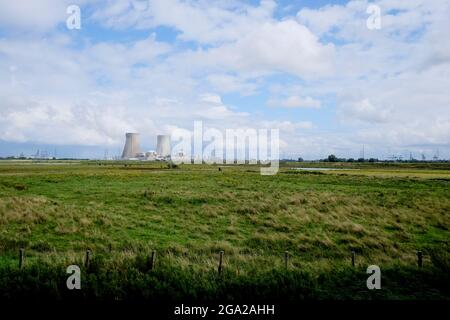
(163, 145)
(131, 148)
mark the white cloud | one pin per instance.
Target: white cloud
(391, 84)
(211, 98)
(27, 120)
(244, 39)
(362, 110)
(200, 21)
(35, 16)
(272, 47)
(295, 102)
(225, 83)
(288, 126)
(323, 20)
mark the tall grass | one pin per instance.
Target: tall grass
(126, 277)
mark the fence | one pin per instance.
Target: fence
(220, 265)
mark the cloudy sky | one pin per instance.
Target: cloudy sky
(311, 68)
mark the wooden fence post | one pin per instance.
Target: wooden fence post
(419, 259)
(220, 262)
(353, 258)
(87, 259)
(21, 257)
(151, 261)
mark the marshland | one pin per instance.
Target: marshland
(187, 214)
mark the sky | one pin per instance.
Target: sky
(321, 72)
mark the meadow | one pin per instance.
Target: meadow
(123, 211)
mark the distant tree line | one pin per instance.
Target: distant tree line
(333, 158)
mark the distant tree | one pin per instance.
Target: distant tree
(332, 158)
(373, 160)
(361, 160)
(350, 160)
(300, 159)
(171, 165)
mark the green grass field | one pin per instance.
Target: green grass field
(122, 212)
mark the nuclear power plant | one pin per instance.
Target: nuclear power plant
(132, 146)
(163, 145)
(132, 150)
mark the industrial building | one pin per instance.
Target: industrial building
(132, 146)
(132, 150)
(163, 145)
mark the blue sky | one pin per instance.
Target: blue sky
(312, 69)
